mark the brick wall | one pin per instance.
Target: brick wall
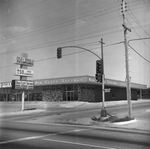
(52, 93)
(86, 93)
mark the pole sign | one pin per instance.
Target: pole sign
(17, 84)
(24, 72)
(24, 61)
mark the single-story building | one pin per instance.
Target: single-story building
(146, 93)
(78, 88)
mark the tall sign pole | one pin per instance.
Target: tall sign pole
(23, 84)
(23, 78)
(128, 88)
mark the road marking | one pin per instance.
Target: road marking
(70, 131)
(148, 110)
(81, 144)
(20, 139)
(99, 127)
(38, 137)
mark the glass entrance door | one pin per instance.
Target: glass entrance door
(69, 95)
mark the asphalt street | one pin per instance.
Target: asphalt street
(23, 131)
(80, 112)
(27, 135)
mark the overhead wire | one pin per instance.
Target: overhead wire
(109, 7)
(58, 43)
(48, 43)
(137, 21)
(110, 28)
(62, 24)
(70, 30)
(24, 34)
(67, 54)
(27, 47)
(134, 49)
(138, 53)
(137, 33)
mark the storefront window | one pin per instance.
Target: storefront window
(70, 88)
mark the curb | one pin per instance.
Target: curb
(124, 123)
(25, 112)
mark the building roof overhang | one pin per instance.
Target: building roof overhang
(78, 80)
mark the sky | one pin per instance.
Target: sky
(39, 27)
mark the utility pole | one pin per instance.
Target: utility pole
(103, 76)
(103, 111)
(128, 88)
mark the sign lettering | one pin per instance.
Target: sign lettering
(17, 84)
(24, 61)
(24, 72)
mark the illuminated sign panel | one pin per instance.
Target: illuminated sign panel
(17, 84)
(24, 61)
(24, 72)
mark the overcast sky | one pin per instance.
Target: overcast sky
(38, 27)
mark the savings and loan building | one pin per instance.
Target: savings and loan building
(78, 88)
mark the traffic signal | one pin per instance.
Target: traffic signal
(99, 66)
(59, 52)
(98, 77)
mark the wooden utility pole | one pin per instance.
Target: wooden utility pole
(128, 87)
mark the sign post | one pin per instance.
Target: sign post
(23, 84)
(24, 55)
(23, 95)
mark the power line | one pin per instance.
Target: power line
(104, 29)
(67, 54)
(27, 47)
(134, 49)
(139, 54)
(57, 43)
(52, 28)
(31, 47)
(62, 24)
(136, 20)
(70, 30)
(137, 33)
(18, 36)
(134, 7)
(103, 10)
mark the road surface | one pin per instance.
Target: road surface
(27, 135)
(23, 132)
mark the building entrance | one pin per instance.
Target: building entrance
(69, 95)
